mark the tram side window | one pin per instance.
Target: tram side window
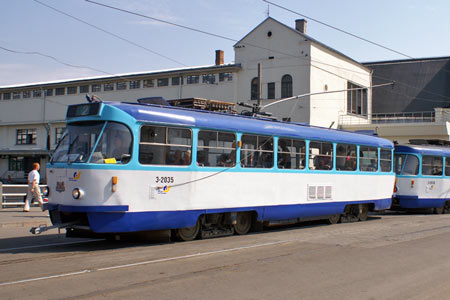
(368, 159)
(447, 166)
(411, 165)
(320, 156)
(216, 149)
(432, 165)
(385, 160)
(165, 146)
(346, 157)
(291, 154)
(256, 151)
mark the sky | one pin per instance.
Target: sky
(415, 28)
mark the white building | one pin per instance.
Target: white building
(293, 63)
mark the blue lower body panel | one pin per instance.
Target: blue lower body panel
(416, 202)
(118, 219)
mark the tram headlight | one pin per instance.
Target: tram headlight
(77, 193)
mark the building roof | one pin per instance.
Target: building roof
(128, 76)
(409, 60)
(305, 36)
(421, 84)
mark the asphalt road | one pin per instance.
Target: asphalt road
(390, 256)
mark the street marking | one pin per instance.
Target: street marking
(146, 262)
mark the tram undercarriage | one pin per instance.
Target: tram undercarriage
(207, 226)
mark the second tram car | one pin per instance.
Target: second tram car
(423, 177)
(128, 167)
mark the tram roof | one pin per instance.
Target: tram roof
(221, 121)
(424, 149)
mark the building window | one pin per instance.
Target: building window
(96, 88)
(209, 78)
(59, 91)
(192, 79)
(225, 76)
(135, 84)
(286, 86)
(177, 80)
(48, 92)
(254, 89)
(71, 90)
(148, 83)
(121, 86)
(271, 90)
(26, 136)
(163, 81)
(107, 87)
(84, 89)
(26, 94)
(37, 93)
(59, 131)
(6, 96)
(16, 164)
(16, 95)
(356, 99)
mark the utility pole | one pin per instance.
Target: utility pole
(259, 85)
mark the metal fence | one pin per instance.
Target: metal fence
(406, 117)
(392, 118)
(13, 195)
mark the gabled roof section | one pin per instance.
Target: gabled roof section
(305, 36)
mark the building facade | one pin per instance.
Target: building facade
(415, 107)
(293, 63)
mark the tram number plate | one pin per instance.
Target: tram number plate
(164, 179)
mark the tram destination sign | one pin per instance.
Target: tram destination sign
(83, 110)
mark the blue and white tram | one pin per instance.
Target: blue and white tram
(423, 177)
(128, 167)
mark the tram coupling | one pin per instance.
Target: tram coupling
(42, 228)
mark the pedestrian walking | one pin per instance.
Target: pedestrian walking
(33, 188)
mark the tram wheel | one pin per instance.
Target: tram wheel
(363, 212)
(188, 233)
(439, 210)
(446, 208)
(334, 219)
(243, 223)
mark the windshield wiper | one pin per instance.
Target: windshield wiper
(70, 148)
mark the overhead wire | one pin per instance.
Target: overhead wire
(350, 34)
(338, 29)
(257, 46)
(53, 58)
(185, 27)
(109, 33)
